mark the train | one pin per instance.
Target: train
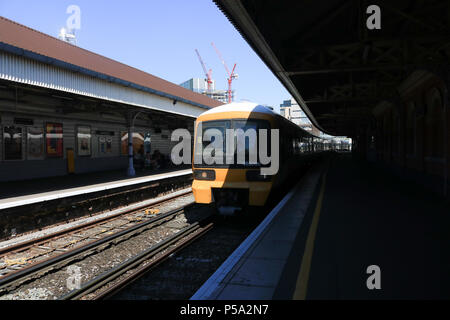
(232, 185)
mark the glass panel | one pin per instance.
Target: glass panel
(35, 143)
(222, 126)
(105, 145)
(54, 139)
(109, 142)
(12, 137)
(250, 144)
(208, 127)
(102, 145)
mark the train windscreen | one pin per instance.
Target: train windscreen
(210, 152)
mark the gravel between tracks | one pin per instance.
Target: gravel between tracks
(55, 284)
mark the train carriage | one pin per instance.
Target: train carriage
(235, 185)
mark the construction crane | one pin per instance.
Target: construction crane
(208, 74)
(231, 76)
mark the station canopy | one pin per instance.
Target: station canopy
(337, 68)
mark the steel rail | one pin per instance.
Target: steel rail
(191, 233)
(139, 272)
(13, 280)
(28, 244)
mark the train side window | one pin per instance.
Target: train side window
(287, 147)
(292, 148)
(304, 145)
(297, 146)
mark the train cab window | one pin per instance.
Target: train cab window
(221, 126)
(252, 140)
(250, 144)
(210, 128)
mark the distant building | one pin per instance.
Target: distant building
(200, 85)
(220, 95)
(292, 111)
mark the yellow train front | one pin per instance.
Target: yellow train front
(235, 186)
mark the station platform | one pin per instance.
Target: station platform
(343, 217)
(20, 193)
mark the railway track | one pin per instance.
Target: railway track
(187, 269)
(112, 281)
(163, 242)
(25, 254)
(182, 274)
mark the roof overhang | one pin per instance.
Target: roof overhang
(238, 16)
(335, 67)
(26, 67)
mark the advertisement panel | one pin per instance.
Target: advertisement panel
(54, 140)
(84, 141)
(35, 143)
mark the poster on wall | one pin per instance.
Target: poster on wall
(12, 139)
(35, 143)
(54, 140)
(109, 142)
(84, 141)
(101, 145)
(105, 145)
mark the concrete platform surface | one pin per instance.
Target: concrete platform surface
(370, 217)
(253, 271)
(324, 239)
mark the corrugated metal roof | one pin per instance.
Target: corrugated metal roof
(17, 35)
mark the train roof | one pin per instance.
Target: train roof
(240, 106)
(252, 107)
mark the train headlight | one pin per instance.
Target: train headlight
(255, 175)
(208, 175)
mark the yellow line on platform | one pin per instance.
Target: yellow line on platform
(301, 286)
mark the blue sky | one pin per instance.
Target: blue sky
(159, 37)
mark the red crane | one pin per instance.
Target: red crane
(208, 74)
(231, 76)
